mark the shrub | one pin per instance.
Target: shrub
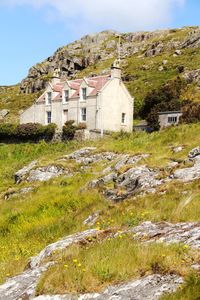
(167, 97)
(7, 131)
(29, 131)
(49, 131)
(26, 132)
(191, 112)
(69, 130)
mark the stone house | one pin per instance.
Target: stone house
(103, 103)
(169, 118)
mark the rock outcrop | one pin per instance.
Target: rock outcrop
(23, 286)
(93, 48)
(32, 173)
(151, 287)
(3, 113)
(186, 233)
(191, 173)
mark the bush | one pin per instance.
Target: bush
(7, 131)
(69, 130)
(167, 97)
(29, 131)
(49, 131)
(26, 132)
(191, 112)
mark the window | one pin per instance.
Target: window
(49, 97)
(123, 118)
(84, 93)
(66, 96)
(49, 117)
(83, 114)
(65, 115)
(172, 120)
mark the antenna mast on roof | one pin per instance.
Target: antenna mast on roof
(119, 48)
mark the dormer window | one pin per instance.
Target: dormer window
(66, 95)
(49, 97)
(84, 93)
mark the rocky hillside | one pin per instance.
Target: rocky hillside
(149, 59)
(112, 218)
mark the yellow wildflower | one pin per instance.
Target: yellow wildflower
(66, 266)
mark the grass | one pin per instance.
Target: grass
(14, 101)
(112, 261)
(57, 208)
(189, 291)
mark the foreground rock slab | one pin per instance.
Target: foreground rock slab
(45, 173)
(30, 173)
(148, 288)
(186, 233)
(191, 173)
(23, 286)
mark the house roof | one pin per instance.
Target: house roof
(169, 112)
(95, 83)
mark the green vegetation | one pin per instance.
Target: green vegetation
(57, 208)
(140, 73)
(14, 101)
(26, 132)
(115, 260)
(190, 290)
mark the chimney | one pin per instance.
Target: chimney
(56, 77)
(116, 71)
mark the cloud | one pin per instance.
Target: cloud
(122, 15)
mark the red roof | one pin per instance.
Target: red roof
(96, 83)
(57, 87)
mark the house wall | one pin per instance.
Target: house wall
(163, 119)
(28, 116)
(112, 102)
(103, 111)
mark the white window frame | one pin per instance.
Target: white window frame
(83, 93)
(123, 118)
(172, 119)
(66, 96)
(49, 117)
(49, 98)
(83, 116)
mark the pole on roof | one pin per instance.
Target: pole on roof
(119, 48)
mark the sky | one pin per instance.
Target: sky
(32, 30)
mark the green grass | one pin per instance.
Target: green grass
(189, 291)
(57, 208)
(14, 101)
(115, 260)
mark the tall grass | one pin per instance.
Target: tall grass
(58, 207)
(115, 260)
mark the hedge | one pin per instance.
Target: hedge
(26, 132)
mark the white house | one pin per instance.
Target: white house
(102, 102)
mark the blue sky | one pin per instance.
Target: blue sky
(31, 31)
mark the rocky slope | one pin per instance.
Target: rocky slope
(149, 59)
(136, 180)
(103, 47)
